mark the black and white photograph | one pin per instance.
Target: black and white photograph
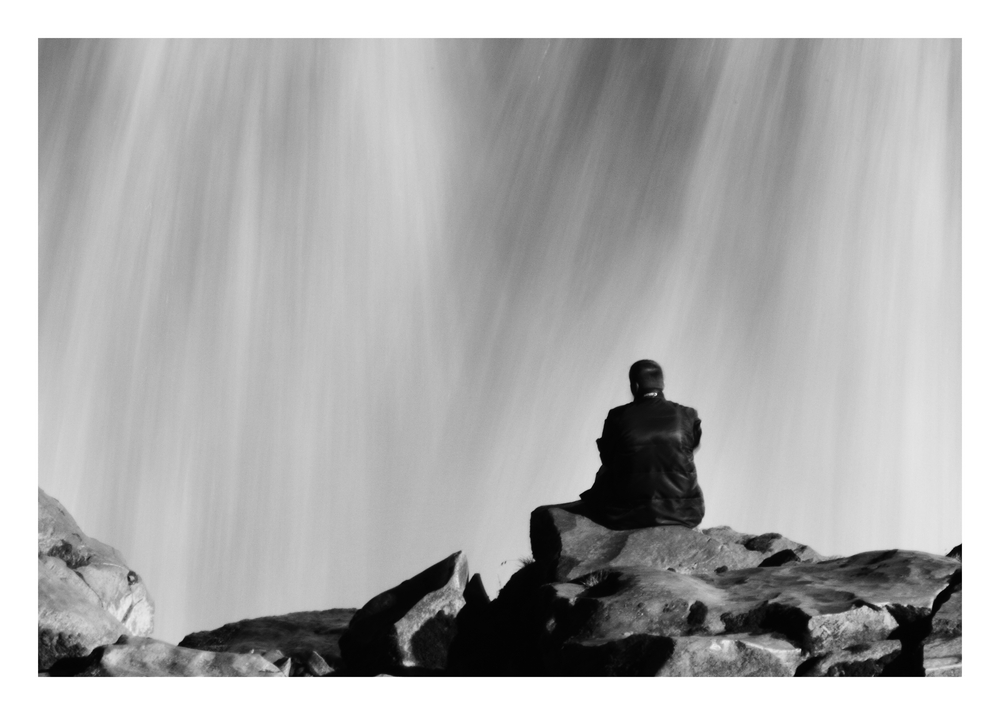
(538, 356)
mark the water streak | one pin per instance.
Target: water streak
(314, 315)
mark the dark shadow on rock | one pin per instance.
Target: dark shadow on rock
(470, 649)
(370, 645)
(914, 627)
(637, 655)
(780, 558)
(512, 625)
(432, 640)
(74, 667)
(762, 542)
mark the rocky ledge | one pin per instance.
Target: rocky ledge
(675, 601)
(665, 601)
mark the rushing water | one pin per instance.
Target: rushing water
(314, 315)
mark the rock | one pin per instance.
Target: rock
(956, 553)
(736, 655)
(572, 545)
(638, 654)
(475, 593)
(284, 665)
(411, 626)
(947, 620)
(782, 557)
(942, 653)
(863, 659)
(71, 620)
(317, 666)
(664, 656)
(767, 545)
(806, 604)
(78, 576)
(273, 655)
(943, 657)
(137, 656)
(475, 640)
(294, 634)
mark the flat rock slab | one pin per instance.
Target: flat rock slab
(138, 657)
(573, 545)
(294, 634)
(821, 607)
(410, 627)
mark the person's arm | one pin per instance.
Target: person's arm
(696, 431)
(605, 444)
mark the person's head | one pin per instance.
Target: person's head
(645, 376)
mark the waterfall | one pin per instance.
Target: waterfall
(314, 315)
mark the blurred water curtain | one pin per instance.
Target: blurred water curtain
(313, 315)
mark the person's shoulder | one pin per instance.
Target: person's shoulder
(618, 411)
(689, 411)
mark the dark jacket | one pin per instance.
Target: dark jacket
(648, 476)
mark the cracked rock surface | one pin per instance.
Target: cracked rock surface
(87, 595)
(675, 601)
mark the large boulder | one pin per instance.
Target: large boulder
(668, 601)
(136, 656)
(411, 627)
(71, 620)
(296, 635)
(87, 595)
(572, 545)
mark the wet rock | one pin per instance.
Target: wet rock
(77, 577)
(573, 545)
(860, 660)
(295, 634)
(137, 656)
(411, 626)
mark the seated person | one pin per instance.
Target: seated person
(647, 475)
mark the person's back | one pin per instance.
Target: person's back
(648, 476)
